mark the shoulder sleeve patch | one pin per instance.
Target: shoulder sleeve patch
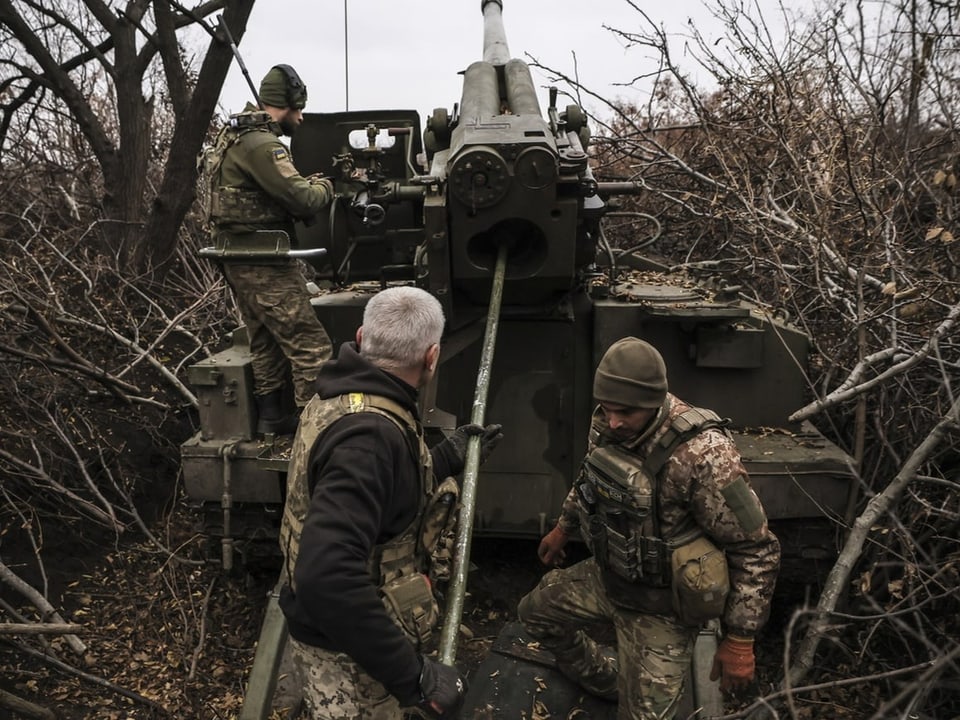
(744, 505)
(283, 162)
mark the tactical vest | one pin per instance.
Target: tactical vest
(401, 567)
(220, 204)
(617, 493)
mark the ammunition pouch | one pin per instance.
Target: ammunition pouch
(627, 553)
(438, 529)
(411, 605)
(245, 206)
(687, 575)
(405, 591)
(617, 510)
(701, 581)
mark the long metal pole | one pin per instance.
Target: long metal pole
(346, 59)
(468, 493)
(225, 29)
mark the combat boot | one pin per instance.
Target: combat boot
(271, 419)
(593, 668)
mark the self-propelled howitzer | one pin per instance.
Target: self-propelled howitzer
(494, 172)
(499, 175)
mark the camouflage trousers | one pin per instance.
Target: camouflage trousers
(282, 325)
(336, 688)
(653, 651)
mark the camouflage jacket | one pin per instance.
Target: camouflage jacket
(705, 481)
(256, 185)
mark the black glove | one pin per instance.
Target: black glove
(442, 689)
(489, 437)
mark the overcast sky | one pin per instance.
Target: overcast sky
(406, 54)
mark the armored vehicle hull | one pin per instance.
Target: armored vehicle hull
(722, 354)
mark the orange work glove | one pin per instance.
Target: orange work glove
(551, 551)
(734, 663)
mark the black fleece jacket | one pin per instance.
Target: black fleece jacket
(365, 487)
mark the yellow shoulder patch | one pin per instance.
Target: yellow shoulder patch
(284, 162)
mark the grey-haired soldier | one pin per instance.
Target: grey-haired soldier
(361, 522)
(661, 480)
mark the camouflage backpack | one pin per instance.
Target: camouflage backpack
(210, 159)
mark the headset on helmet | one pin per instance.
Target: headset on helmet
(293, 83)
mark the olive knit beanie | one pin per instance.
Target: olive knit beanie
(281, 87)
(631, 373)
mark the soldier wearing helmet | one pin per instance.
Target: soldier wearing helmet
(677, 537)
(255, 195)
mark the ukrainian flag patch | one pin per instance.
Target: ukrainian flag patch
(280, 154)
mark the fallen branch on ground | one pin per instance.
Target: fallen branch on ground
(39, 628)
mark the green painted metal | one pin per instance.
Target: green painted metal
(468, 492)
(258, 700)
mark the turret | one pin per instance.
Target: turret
(511, 176)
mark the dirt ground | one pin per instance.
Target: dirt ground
(173, 640)
(168, 639)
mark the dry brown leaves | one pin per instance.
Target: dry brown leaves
(161, 642)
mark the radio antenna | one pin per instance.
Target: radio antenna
(346, 61)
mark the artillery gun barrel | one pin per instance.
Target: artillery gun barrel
(468, 494)
(495, 48)
(481, 85)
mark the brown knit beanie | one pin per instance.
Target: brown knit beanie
(283, 88)
(631, 373)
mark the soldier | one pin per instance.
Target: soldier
(662, 489)
(362, 517)
(255, 195)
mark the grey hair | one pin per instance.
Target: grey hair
(399, 326)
